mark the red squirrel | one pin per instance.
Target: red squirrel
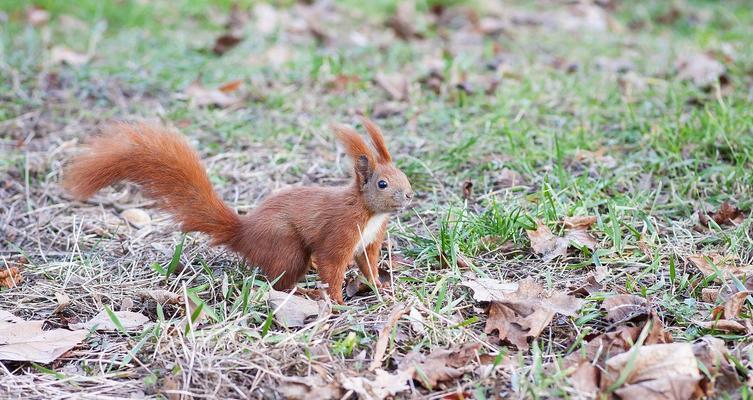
(329, 226)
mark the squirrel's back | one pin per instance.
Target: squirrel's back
(164, 165)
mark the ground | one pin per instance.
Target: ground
(506, 118)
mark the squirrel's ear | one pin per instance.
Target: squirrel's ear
(357, 150)
(378, 140)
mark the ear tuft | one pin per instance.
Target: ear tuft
(357, 150)
(377, 139)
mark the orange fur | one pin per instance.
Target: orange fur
(285, 233)
(376, 137)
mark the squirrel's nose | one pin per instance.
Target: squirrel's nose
(408, 195)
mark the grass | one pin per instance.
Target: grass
(668, 149)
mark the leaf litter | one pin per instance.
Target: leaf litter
(551, 246)
(26, 340)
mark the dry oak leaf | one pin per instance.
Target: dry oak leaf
(527, 311)
(550, 246)
(202, 96)
(585, 380)
(722, 375)
(624, 307)
(724, 325)
(731, 307)
(291, 310)
(383, 385)
(700, 68)
(440, 365)
(488, 289)
(26, 340)
(10, 277)
(726, 265)
(102, 322)
(658, 371)
(726, 214)
(609, 344)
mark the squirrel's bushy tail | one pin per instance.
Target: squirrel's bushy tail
(167, 169)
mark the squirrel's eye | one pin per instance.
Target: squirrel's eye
(382, 184)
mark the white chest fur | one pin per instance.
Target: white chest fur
(370, 231)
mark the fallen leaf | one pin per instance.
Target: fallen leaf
(726, 265)
(384, 384)
(606, 345)
(225, 42)
(549, 246)
(136, 217)
(102, 322)
(63, 301)
(726, 214)
(440, 365)
(709, 295)
(396, 85)
(579, 222)
(26, 340)
(488, 289)
(309, 387)
(231, 86)
(201, 96)
(64, 55)
(384, 335)
(624, 307)
(724, 325)
(10, 277)
(722, 375)
(700, 68)
(527, 311)
(233, 31)
(735, 303)
(658, 371)
(585, 380)
(126, 304)
(290, 310)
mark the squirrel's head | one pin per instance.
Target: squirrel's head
(383, 186)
